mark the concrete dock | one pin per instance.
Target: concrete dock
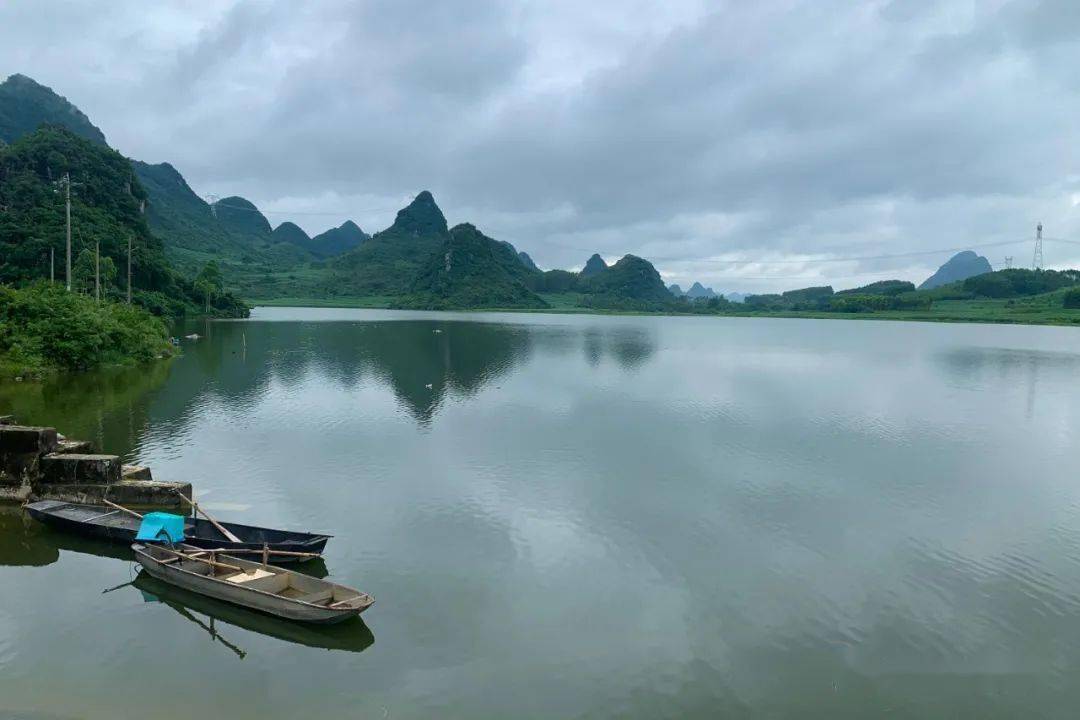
(37, 463)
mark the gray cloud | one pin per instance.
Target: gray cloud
(692, 133)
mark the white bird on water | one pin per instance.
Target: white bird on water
(428, 386)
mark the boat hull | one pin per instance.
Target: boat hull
(108, 524)
(240, 595)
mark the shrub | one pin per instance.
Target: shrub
(45, 326)
(1072, 299)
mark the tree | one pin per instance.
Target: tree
(83, 272)
(210, 281)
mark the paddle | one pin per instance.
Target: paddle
(215, 523)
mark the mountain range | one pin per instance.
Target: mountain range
(418, 261)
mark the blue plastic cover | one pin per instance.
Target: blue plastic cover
(161, 526)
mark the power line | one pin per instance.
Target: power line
(217, 203)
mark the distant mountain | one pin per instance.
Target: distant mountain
(594, 266)
(388, 262)
(291, 233)
(527, 261)
(960, 266)
(472, 270)
(735, 297)
(632, 278)
(698, 291)
(241, 216)
(26, 104)
(337, 240)
(675, 290)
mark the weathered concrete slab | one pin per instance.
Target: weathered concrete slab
(21, 448)
(77, 468)
(139, 493)
(135, 472)
(20, 439)
(67, 446)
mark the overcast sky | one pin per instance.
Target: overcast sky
(691, 133)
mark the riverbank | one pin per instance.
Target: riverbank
(45, 329)
(1045, 309)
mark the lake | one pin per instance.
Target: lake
(583, 517)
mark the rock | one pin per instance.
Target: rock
(76, 468)
(135, 472)
(65, 447)
(960, 266)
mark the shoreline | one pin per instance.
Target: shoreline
(997, 314)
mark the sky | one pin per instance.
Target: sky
(751, 146)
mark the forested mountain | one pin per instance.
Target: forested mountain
(25, 105)
(388, 263)
(960, 266)
(290, 232)
(472, 270)
(631, 279)
(107, 203)
(527, 261)
(593, 266)
(337, 240)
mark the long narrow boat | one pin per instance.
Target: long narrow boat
(106, 522)
(274, 590)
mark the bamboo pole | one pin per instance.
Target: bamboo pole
(249, 551)
(221, 529)
(211, 561)
(121, 507)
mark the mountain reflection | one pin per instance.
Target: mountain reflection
(420, 361)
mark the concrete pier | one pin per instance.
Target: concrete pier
(36, 463)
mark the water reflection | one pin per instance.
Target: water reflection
(21, 539)
(349, 636)
(421, 361)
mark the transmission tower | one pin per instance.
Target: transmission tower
(1008, 262)
(1037, 261)
(213, 199)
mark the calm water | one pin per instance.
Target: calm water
(584, 517)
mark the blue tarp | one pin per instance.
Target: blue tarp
(161, 526)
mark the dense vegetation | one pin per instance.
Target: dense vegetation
(25, 105)
(107, 203)
(43, 326)
(473, 271)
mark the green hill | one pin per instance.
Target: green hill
(594, 266)
(473, 271)
(290, 232)
(25, 105)
(388, 263)
(631, 283)
(107, 204)
(337, 240)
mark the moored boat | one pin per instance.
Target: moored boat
(120, 525)
(258, 586)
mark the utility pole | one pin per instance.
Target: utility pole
(1037, 261)
(212, 201)
(129, 270)
(1008, 262)
(67, 193)
(52, 266)
(97, 271)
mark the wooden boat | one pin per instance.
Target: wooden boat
(111, 523)
(349, 636)
(258, 586)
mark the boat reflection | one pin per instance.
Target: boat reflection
(350, 636)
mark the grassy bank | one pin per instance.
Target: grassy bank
(1045, 309)
(44, 329)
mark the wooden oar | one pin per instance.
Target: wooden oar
(121, 507)
(221, 529)
(212, 562)
(290, 553)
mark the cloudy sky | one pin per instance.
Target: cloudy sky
(749, 145)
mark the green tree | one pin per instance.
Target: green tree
(210, 281)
